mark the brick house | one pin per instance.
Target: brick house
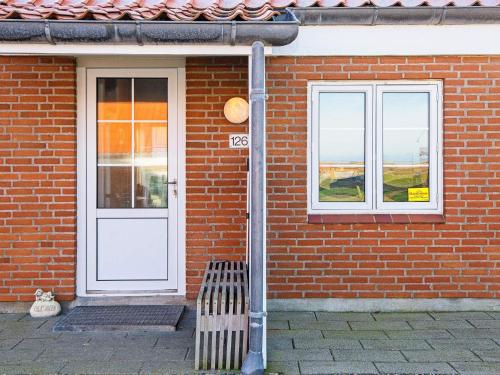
(382, 173)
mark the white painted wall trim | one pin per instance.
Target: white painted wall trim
(81, 181)
(386, 40)
(384, 304)
(138, 62)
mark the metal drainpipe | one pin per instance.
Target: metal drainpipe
(254, 362)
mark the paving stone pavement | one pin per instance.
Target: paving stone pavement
(29, 346)
(299, 343)
(465, 343)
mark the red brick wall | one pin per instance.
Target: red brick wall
(460, 258)
(37, 177)
(215, 174)
(456, 259)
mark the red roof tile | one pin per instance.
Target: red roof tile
(189, 10)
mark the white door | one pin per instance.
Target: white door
(131, 180)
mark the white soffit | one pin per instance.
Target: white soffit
(401, 40)
(125, 50)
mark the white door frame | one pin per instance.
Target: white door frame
(142, 64)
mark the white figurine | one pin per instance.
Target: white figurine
(45, 305)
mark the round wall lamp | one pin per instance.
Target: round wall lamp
(236, 110)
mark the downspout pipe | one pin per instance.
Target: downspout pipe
(282, 30)
(254, 362)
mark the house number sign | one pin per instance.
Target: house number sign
(238, 141)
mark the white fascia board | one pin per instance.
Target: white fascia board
(125, 50)
(380, 40)
(394, 40)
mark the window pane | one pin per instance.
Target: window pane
(342, 147)
(150, 143)
(114, 187)
(150, 99)
(114, 98)
(151, 187)
(114, 142)
(406, 147)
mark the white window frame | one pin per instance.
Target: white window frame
(373, 151)
(345, 87)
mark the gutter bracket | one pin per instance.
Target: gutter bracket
(233, 33)
(375, 17)
(48, 36)
(138, 33)
(443, 16)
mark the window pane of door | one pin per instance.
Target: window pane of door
(114, 187)
(114, 98)
(151, 172)
(114, 142)
(150, 99)
(342, 146)
(150, 143)
(406, 147)
(151, 187)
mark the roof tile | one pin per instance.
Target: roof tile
(189, 10)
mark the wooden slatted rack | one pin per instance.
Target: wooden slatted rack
(222, 316)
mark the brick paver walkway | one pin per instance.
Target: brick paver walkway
(28, 346)
(299, 343)
(384, 343)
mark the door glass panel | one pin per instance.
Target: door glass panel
(114, 187)
(150, 99)
(114, 140)
(406, 147)
(132, 144)
(342, 147)
(150, 143)
(151, 187)
(114, 98)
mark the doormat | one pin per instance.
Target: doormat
(158, 318)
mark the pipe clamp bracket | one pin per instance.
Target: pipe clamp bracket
(257, 315)
(258, 94)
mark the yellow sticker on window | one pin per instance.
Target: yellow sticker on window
(418, 194)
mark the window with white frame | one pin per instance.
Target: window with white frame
(375, 147)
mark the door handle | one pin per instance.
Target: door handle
(174, 182)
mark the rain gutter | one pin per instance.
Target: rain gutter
(397, 15)
(280, 31)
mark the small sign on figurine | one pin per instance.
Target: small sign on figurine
(44, 305)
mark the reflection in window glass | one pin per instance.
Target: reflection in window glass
(114, 98)
(150, 99)
(342, 147)
(114, 142)
(150, 143)
(406, 147)
(114, 187)
(132, 144)
(151, 187)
